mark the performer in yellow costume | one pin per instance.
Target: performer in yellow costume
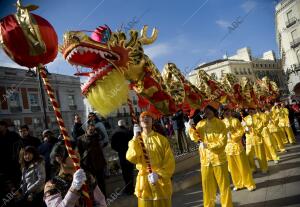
(214, 170)
(254, 141)
(238, 163)
(268, 139)
(282, 116)
(285, 124)
(275, 130)
(152, 189)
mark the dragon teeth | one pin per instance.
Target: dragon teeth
(80, 50)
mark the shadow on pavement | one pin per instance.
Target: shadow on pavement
(276, 168)
(279, 181)
(284, 159)
(292, 200)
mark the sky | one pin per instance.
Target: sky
(191, 32)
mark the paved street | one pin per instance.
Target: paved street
(280, 187)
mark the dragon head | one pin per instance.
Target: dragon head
(113, 60)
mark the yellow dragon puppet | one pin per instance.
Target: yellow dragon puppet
(117, 63)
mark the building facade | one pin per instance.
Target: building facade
(287, 22)
(243, 64)
(21, 100)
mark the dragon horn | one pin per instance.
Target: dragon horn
(148, 40)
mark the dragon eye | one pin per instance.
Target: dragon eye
(74, 37)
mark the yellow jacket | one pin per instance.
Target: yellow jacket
(213, 134)
(255, 126)
(162, 162)
(265, 119)
(273, 122)
(234, 143)
(282, 116)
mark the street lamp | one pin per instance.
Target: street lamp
(33, 73)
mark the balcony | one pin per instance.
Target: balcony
(73, 107)
(15, 109)
(293, 69)
(290, 22)
(35, 108)
(295, 43)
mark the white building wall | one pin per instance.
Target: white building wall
(287, 20)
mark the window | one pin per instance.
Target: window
(135, 109)
(134, 101)
(71, 100)
(14, 99)
(261, 65)
(289, 14)
(235, 71)
(249, 71)
(37, 122)
(34, 99)
(294, 35)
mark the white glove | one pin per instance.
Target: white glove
(79, 178)
(190, 124)
(152, 178)
(136, 130)
(228, 135)
(247, 129)
(243, 123)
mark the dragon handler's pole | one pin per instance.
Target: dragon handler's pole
(61, 124)
(135, 121)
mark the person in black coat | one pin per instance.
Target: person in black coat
(77, 128)
(10, 174)
(119, 142)
(27, 139)
(91, 155)
(179, 129)
(49, 140)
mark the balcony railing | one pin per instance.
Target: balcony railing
(16, 109)
(295, 43)
(35, 108)
(290, 22)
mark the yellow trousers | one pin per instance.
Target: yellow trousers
(259, 152)
(269, 145)
(283, 136)
(271, 153)
(155, 203)
(278, 139)
(211, 178)
(240, 171)
(290, 134)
